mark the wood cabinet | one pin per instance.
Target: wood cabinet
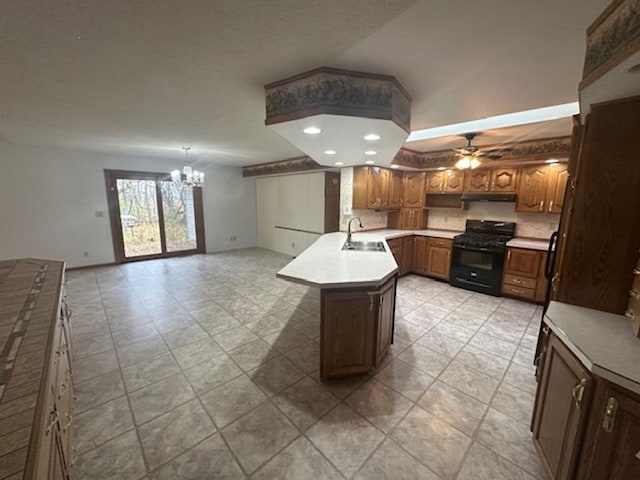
(420, 255)
(356, 329)
(561, 410)
(438, 258)
(407, 255)
(542, 189)
(395, 189)
(413, 189)
(371, 188)
(498, 180)
(395, 245)
(523, 275)
(584, 427)
(447, 181)
(407, 219)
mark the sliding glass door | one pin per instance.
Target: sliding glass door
(153, 217)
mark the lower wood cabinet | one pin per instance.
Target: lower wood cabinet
(407, 255)
(420, 255)
(395, 245)
(356, 329)
(584, 427)
(523, 275)
(438, 258)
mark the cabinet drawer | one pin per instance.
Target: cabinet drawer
(520, 281)
(519, 291)
(439, 242)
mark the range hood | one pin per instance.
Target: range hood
(488, 197)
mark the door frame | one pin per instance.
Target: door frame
(111, 176)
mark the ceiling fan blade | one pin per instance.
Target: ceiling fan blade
(498, 149)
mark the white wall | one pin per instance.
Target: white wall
(294, 202)
(49, 199)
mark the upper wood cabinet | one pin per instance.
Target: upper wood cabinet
(371, 188)
(498, 180)
(395, 189)
(384, 176)
(413, 195)
(561, 411)
(448, 181)
(541, 188)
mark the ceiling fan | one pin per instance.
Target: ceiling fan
(469, 154)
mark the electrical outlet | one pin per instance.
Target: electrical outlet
(99, 214)
(233, 238)
(86, 254)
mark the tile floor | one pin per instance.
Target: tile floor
(206, 367)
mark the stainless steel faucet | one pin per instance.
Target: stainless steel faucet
(349, 228)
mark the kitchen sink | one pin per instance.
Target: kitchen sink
(365, 246)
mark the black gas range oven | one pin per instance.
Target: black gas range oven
(478, 254)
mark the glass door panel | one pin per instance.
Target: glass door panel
(139, 217)
(179, 216)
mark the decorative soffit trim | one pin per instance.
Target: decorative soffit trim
(611, 38)
(528, 150)
(338, 92)
(290, 165)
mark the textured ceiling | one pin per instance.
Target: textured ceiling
(147, 77)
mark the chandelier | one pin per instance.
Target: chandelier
(188, 176)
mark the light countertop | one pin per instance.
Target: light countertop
(602, 341)
(529, 243)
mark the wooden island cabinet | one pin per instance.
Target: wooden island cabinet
(585, 426)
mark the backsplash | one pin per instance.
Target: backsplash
(371, 220)
(533, 225)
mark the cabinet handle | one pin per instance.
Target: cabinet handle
(634, 294)
(62, 390)
(541, 205)
(636, 271)
(74, 455)
(630, 314)
(550, 206)
(609, 419)
(554, 282)
(69, 419)
(573, 183)
(577, 393)
(371, 304)
(516, 281)
(509, 255)
(53, 422)
(517, 290)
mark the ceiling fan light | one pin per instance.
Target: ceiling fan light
(463, 163)
(474, 163)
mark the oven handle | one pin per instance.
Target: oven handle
(477, 249)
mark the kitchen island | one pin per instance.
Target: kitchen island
(357, 301)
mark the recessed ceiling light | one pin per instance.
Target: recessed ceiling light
(339, 164)
(370, 162)
(371, 137)
(329, 152)
(370, 152)
(312, 130)
(395, 166)
(442, 168)
(552, 160)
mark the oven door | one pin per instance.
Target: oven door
(476, 266)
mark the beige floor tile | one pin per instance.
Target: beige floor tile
(259, 435)
(234, 338)
(425, 360)
(485, 362)
(185, 336)
(440, 343)
(231, 400)
(95, 365)
(253, 354)
(516, 403)
(432, 441)
(275, 375)
(379, 404)
(404, 379)
(213, 372)
(141, 351)
(306, 357)
(454, 407)
(472, 382)
(97, 390)
(305, 402)
(482, 464)
(345, 438)
(298, 461)
(160, 397)
(197, 352)
(119, 458)
(174, 432)
(100, 424)
(149, 371)
(390, 462)
(209, 459)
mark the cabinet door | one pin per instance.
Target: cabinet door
(438, 259)
(417, 219)
(346, 343)
(435, 182)
(407, 255)
(385, 321)
(413, 189)
(420, 255)
(395, 245)
(504, 180)
(556, 187)
(561, 411)
(525, 263)
(406, 215)
(384, 177)
(532, 190)
(478, 181)
(395, 189)
(58, 470)
(373, 187)
(453, 181)
(616, 450)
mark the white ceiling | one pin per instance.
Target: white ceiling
(147, 77)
